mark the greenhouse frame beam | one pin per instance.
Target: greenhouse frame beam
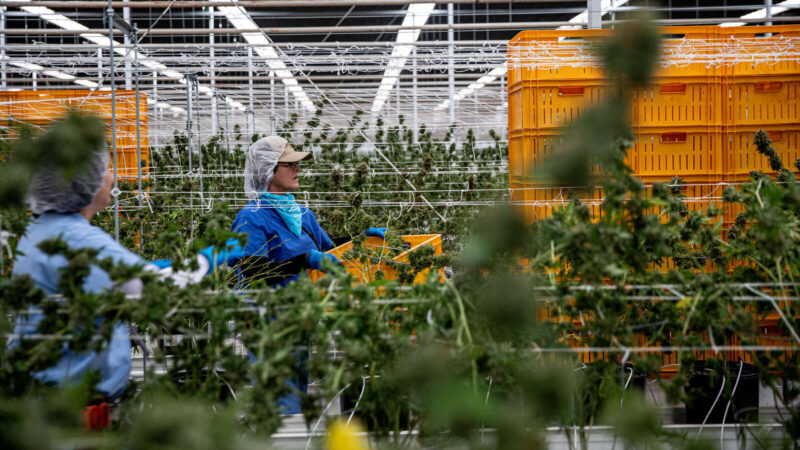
(264, 3)
(392, 28)
(114, 25)
(766, 13)
(238, 46)
(320, 30)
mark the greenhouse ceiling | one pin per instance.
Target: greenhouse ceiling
(439, 61)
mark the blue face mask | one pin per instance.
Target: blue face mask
(288, 209)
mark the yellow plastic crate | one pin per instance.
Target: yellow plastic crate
(551, 104)
(741, 156)
(762, 93)
(41, 108)
(367, 272)
(678, 101)
(688, 152)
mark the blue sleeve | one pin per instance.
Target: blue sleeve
(109, 248)
(98, 279)
(322, 237)
(257, 240)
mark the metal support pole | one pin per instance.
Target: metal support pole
(189, 151)
(126, 15)
(215, 99)
(504, 100)
(115, 191)
(199, 144)
(273, 118)
(414, 123)
(595, 13)
(250, 86)
(227, 130)
(33, 74)
(3, 49)
(451, 79)
(768, 8)
(156, 109)
(285, 103)
(158, 115)
(397, 101)
(211, 55)
(99, 67)
(140, 194)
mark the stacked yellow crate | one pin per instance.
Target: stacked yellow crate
(40, 108)
(695, 120)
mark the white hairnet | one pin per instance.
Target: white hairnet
(259, 166)
(50, 191)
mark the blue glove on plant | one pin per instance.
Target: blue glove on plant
(377, 232)
(162, 263)
(315, 259)
(231, 252)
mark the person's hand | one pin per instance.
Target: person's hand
(230, 253)
(315, 259)
(376, 232)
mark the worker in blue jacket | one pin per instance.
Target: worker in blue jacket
(62, 208)
(283, 236)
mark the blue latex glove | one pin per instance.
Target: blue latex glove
(230, 253)
(162, 263)
(315, 259)
(377, 232)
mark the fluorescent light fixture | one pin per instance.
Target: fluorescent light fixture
(583, 17)
(238, 17)
(27, 66)
(87, 83)
(52, 73)
(480, 84)
(605, 5)
(66, 23)
(416, 16)
(59, 75)
(762, 13)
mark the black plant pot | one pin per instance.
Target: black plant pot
(701, 392)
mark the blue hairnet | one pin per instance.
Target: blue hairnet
(50, 191)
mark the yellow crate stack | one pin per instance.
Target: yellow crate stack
(42, 107)
(694, 120)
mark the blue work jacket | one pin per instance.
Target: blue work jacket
(114, 361)
(269, 237)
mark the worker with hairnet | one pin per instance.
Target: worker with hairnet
(284, 237)
(62, 208)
